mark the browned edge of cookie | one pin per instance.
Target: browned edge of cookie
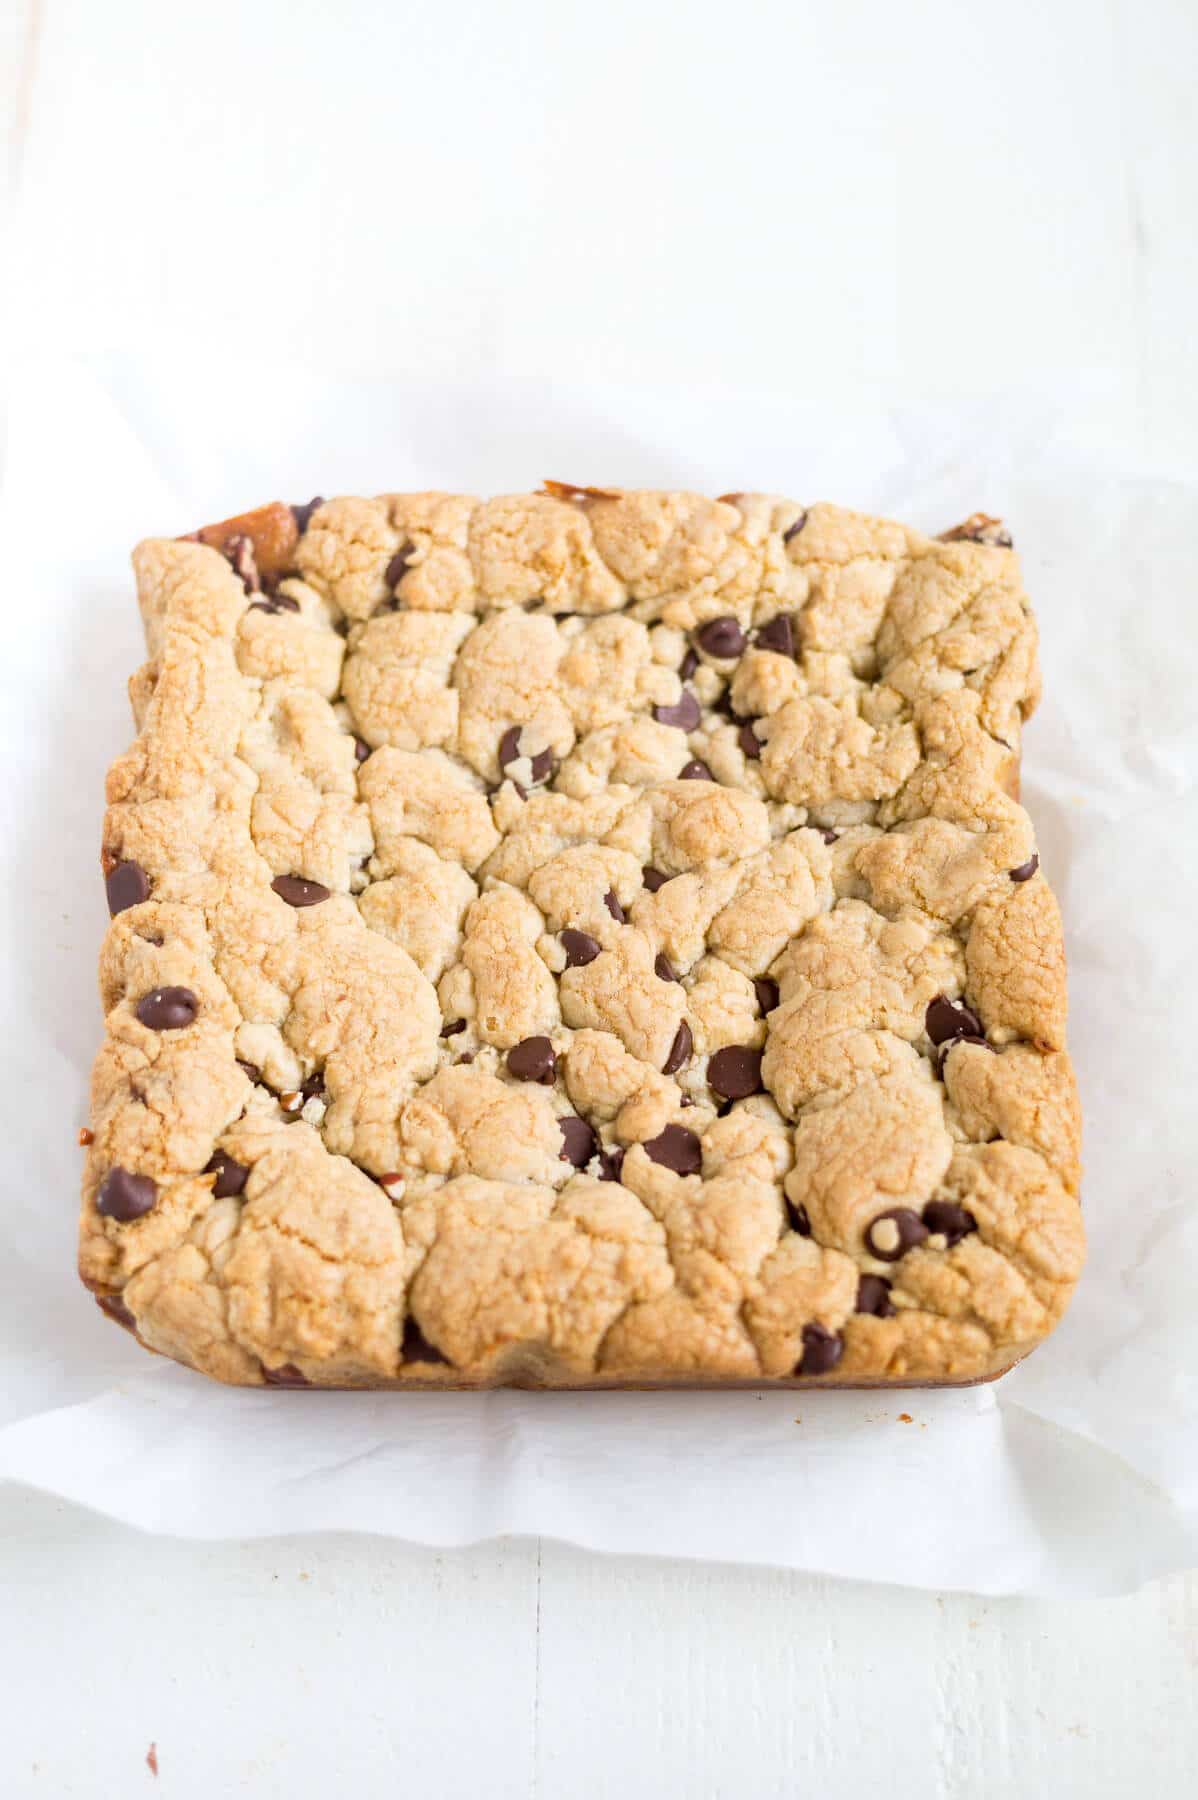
(111, 1306)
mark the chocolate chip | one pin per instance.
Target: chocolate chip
(303, 514)
(240, 553)
(168, 1008)
(799, 1218)
(663, 968)
(794, 530)
(311, 1089)
(416, 1347)
(124, 1196)
(580, 948)
(829, 837)
(685, 713)
(893, 1233)
(981, 1042)
(276, 603)
(509, 752)
(611, 1163)
(231, 1176)
(615, 909)
(126, 885)
(286, 1375)
(767, 993)
(688, 665)
(509, 746)
(695, 771)
(270, 587)
(948, 1220)
(778, 634)
(676, 1148)
(467, 1056)
(452, 1029)
(822, 1350)
(532, 1059)
(579, 1142)
(750, 743)
(873, 1296)
(361, 748)
(735, 1072)
(680, 1050)
(654, 879)
(394, 571)
(298, 892)
(1026, 870)
(722, 638)
(250, 1069)
(946, 1019)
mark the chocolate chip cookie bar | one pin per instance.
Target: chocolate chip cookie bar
(583, 938)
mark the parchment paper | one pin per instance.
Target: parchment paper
(1078, 1472)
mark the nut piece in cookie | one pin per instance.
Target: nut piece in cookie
(979, 528)
(271, 532)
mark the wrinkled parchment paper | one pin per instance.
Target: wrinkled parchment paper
(1079, 1471)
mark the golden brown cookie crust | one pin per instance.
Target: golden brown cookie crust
(585, 938)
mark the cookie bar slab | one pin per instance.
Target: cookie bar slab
(580, 939)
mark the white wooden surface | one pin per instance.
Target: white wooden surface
(936, 199)
(357, 1666)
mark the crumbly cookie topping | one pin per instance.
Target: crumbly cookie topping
(581, 936)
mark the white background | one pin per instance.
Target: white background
(879, 203)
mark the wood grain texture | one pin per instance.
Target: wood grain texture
(300, 1668)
